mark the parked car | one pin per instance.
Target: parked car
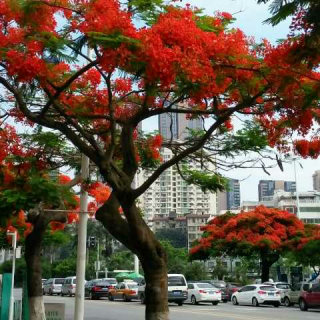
(310, 298)
(53, 286)
(125, 291)
(177, 289)
(292, 296)
(43, 282)
(98, 288)
(69, 286)
(257, 294)
(231, 288)
(283, 287)
(203, 292)
(219, 284)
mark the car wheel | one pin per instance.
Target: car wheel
(235, 301)
(277, 305)
(180, 303)
(287, 302)
(110, 297)
(142, 299)
(194, 300)
(214, 303)
(303, 306)
(255, 302)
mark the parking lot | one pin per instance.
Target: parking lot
(118, 310)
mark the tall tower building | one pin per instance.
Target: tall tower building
(316, 180)
(231, 198)
(175, 126)
(266, 188)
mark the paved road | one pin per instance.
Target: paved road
(118, 310)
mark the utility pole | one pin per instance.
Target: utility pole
(82, 243)
(14, 246)
(297, 192)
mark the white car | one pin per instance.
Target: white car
(283, 287)
(203, 292)
(256, 294)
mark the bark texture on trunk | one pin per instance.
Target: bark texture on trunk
(33, 247)
(134, 233)
(36, 308)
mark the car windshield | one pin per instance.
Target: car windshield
(283, 286)
(267, 288)
(59, 281)
(204, 285)
(176, 281)
(112, 281)
(219, 284)
(132, 286)
(102, 283)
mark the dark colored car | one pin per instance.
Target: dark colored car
(96, 289)
(220, 284)
(232, 287)
(310, 298)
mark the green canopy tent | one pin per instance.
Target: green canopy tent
(135, 275)
(122, 275)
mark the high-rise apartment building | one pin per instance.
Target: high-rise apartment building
(175, 126)
(316, 180)
(266, 188)
(170, 193)
(229, 199)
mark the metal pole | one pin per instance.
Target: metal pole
(82, 239)
(136, 264)
(297, 192)
(14, 245)
(98, 262)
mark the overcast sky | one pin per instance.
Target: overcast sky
(250, 17)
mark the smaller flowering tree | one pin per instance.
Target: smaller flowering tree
(307, 250)
(265, 232)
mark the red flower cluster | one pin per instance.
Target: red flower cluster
(262, 228)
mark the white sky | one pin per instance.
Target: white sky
(250, 17)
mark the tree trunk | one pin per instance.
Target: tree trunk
(33, 247)
(265, 266)
(267, 260)
(156, 292)
(134, 233)
(34, 274)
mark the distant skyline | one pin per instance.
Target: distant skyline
(250, 17)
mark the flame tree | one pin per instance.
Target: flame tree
(29, 198)
(174, 61)
(268, 233)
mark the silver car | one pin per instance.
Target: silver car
(53, 286)
(292, 297)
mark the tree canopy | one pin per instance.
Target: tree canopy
(264, 232)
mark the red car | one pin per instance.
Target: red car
(232, 288)
(310, 299)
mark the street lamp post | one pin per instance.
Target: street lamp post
(14, 246)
